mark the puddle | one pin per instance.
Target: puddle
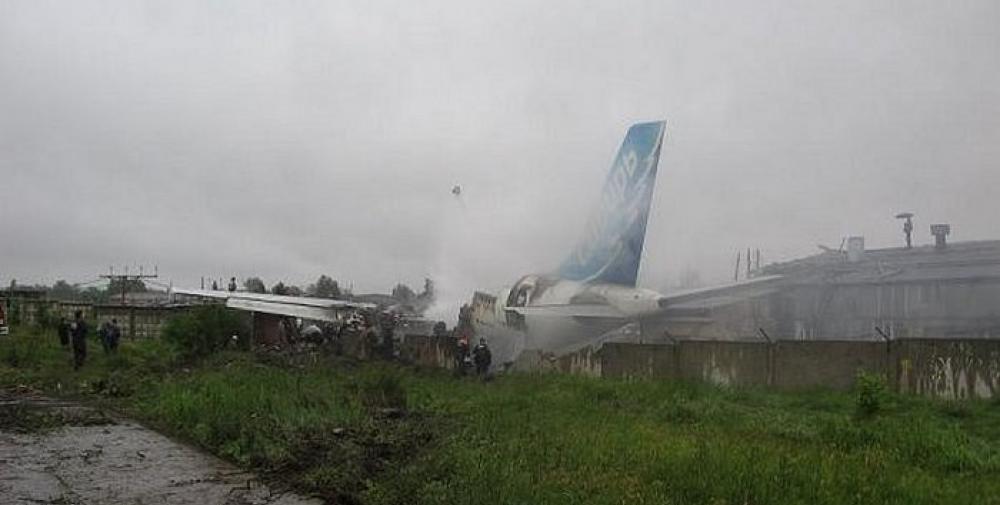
(118, 463)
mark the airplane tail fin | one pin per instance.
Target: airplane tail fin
(612, 244)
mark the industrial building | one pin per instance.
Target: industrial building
(945, 290)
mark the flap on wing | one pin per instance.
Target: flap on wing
(284, 309)
(301, 300)
(591, 311)
(304, 301)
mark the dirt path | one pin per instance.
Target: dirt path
(90, 459)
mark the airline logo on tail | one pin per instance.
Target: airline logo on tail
(612, 244)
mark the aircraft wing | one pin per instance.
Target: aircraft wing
(584, 311)
(322, 309)
(752, 287)
(201, 293)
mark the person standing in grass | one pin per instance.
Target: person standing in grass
(78, 331)
(482, 357)
(461, 354)
(63, 332)
(104, 334)
(112, 334)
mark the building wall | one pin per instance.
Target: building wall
(954, 308)
(33, 311)
(135, 321)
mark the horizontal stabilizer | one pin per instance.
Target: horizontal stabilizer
(589, 311)
(757, 286)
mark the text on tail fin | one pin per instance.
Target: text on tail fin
(611, 247)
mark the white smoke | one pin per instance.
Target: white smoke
(454, 281)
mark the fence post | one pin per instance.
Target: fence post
(890, 371)
(770, 357)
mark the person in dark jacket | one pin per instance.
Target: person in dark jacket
(78, 332)
(64, 332)
(114, 335)
(482, 357)
(104, 335)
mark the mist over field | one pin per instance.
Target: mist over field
(289, 141)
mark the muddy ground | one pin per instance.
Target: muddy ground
(54, 452)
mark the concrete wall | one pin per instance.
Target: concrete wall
(136, 322)
(825, 364)
(620, 360)
(32, 311)
(947, 368)
(724, 363)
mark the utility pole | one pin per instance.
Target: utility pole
(124, 279)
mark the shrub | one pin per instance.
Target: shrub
(205, 329)
(871, 393)
(379, 389)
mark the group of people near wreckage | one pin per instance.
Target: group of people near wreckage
(478, 358)
(375, 333)
(74, 334)
(376, 340)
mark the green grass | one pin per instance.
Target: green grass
(333, 428)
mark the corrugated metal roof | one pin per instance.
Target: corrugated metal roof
(959, 262)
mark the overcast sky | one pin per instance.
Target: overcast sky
(290, 139)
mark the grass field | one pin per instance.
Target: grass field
(379, 433)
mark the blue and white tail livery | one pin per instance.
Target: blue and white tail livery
(612, 244)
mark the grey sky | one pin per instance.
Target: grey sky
(263, 138)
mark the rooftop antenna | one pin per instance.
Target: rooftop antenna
(907, 227)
